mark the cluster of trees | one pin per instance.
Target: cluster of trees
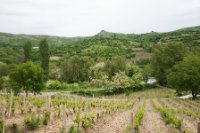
(97, 48)
(75, 69)
(165, 56)
(28, 76)
(44, 55)
(1, 83)
(185, 75)
(107, 64)
(111, 73)
(178, 66)
(4, 70)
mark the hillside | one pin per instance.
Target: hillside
(20, 39)
(104, 44)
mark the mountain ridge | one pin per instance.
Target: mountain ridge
(191, 28)
(20, 39)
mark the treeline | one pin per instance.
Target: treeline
(108, 62)
(113, 72)
(27, 76)
(178, 66)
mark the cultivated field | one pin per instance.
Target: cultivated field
(57, 113)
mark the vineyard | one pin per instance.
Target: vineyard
(66, 113)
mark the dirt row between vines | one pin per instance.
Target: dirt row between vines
(55, 125)
(114, 123)
(189, 123)
(152, 121)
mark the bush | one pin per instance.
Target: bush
(73, 86)
(39, 102)
(46, 117)
(73, 130)
(78, 119)
(54, 85)
(31, 122)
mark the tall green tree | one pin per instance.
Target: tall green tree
(44, 55)
(28, 77)
(4, 69)
(132, 80)
(76, 69)
(165, 56)
(1, 83)
(185, 75)
(115, 65)
(27, 51)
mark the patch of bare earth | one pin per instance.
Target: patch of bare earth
(55, 58)
(17, 118)
(141, 55)
(115, 123)
(152, 121)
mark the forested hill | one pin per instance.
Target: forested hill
(184, 34)
(102, 45)
(20, 39)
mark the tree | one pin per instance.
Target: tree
(28, 77)
(27, 51)
(1, 83)
(44, 55)
(4, 69)
(164, 57)
(97, 71)
(76, 69)
(132, 79)
(116, 64)
(121, 80)
(185, 75)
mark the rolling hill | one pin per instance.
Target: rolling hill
(103, 44)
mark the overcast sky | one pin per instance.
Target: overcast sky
(87, 17)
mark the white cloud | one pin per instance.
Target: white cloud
(87, 17)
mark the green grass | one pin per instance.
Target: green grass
(149, 93)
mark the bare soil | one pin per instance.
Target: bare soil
(115, 123)
(153, 123)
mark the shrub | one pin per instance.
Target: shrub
(86, 123)
(78, 119)
(72, 86)
(39, 102)
(31, 122)
(73, 130)
(54, 85)
(46, 117)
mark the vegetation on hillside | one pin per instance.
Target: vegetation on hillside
(111, 62)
